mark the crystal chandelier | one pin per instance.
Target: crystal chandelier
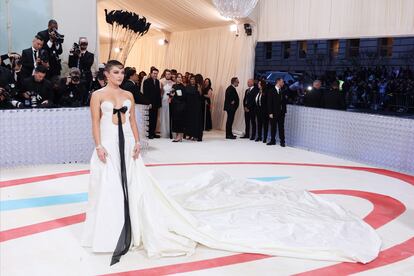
(234, 9)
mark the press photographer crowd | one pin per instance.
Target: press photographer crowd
(32, 79)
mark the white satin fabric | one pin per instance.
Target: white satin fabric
(165, 110)
(215, 210)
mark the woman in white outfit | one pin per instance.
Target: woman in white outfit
(166, 87)
(128, 208)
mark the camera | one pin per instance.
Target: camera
(43, 56)
(59, 37)
(75, 78)
(76, 49)
(15, 62)
(34, 100)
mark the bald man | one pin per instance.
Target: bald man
(249, 112)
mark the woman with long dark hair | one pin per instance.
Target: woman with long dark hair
(194, 126)
(207, 94)
(178, 108)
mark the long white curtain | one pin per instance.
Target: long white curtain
(324, 19)
(215, 53)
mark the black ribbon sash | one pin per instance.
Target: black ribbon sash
(124, 241)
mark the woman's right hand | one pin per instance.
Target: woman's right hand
(102, 153)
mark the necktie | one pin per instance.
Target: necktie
(124, 241)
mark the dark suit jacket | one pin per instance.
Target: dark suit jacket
(313, 98)
(27, 62)
(249, 98)
(334, 99)
(133, 88)
(85, 64)
(152, 92)
(261, 107)
(276, 102)
(44, 88)
(54, 53)
(231, 95)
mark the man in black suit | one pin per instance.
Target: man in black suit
(276, 102)
(314, 97)
(231, 103)
(31, 57)
(130, 83)
(334, 98)
(83, 60)
(152, 91)
(53, 45)
(249, 112)
(36, 90)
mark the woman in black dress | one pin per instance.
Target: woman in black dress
(261, 112)
(207, 93)
(178, 108)
(194, 126)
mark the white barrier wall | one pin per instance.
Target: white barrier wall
(42, 136)
(52, 136)
(381, 141)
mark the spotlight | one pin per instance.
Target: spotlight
(117, 50)
(233, 28)
(162, 41)
(248, 29)
(309, 88)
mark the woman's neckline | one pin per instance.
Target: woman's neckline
(114, 104)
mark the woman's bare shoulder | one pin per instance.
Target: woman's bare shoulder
(98, 93)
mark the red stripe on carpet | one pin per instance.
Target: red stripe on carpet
(386, 208)
(40, 227)
(20, 181)
(193, 266)
(391, 255)
(404, 177)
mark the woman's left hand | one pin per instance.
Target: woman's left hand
(135, 153)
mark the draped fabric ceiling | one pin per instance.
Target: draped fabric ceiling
(200, 40)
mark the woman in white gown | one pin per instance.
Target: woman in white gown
(166, 87)
(211, 209)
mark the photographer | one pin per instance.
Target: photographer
(80, 58)
(72, 92)
(33, 56)
(7, 101)
(8, 91)
(53, 45)
(98, 82)
(36, 90)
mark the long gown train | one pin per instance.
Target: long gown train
(215, 210)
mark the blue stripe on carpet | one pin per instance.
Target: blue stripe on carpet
(270, 178)
(8, 205)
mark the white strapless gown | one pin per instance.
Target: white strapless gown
(214, 210)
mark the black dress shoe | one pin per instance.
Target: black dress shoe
(230, 137)
(282, 145)
(157, 136)
(271, 143)
(258, 139)
(151, 137)
(252, 138)
(264, 141)
(245, 137)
